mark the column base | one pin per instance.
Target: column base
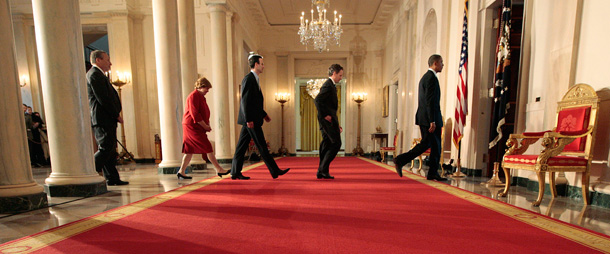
(170, 170)
(23, 203)
(225, 161)
(76, 190)
(197, 167)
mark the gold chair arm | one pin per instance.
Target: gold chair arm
(554, 144)
(518, 143)
(553, 134)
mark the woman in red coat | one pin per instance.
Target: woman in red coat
(195, 124)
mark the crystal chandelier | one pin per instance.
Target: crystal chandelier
(314, 85)
(319, 31)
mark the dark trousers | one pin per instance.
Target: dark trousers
(36, 152)
(106, 155)
(328, 151)
(428, 140)
(258, 136)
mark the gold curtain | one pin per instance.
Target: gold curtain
(310, 129)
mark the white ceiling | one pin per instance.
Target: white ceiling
(355, 12)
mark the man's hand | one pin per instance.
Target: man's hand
(250, 125)
(120, 119)
(267, 118)
(340, 129)
(432, 127)
(328, 118)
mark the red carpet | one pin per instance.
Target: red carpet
(366, 209)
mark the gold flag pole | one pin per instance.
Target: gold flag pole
(495, 180)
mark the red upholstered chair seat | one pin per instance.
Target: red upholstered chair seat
(385, 148)
(553, 161)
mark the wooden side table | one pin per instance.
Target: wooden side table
(383, 140)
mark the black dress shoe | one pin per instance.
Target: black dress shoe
(324, 176)
(283, 171)
(437, 178)
(397, 167)
(240, 177)
(115, 183)
(181, 176)
(280, 172)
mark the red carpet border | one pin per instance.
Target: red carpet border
(366, 209)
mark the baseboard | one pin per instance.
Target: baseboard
(471, 171)
(145, 160)
(225, 161)
(565, 190)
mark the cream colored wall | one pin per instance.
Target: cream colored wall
(590, 69)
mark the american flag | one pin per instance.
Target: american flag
(502, 79)
(461, 105)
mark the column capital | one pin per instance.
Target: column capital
(213, 2)
(218, 6)
(115, 14)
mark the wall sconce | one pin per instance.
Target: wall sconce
(359, 97)
(24, 80)
(282, 98)
(121, 79)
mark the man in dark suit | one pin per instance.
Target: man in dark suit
(251, 116)
(105, 108)
(327, 104)
(429, 119)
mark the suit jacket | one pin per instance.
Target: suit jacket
(252, 101)
(429, 107)
(327, 104)
(104, 101)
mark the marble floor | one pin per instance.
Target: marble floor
(145, 182)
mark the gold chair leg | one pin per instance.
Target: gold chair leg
(382, 156)
(552, 184)
(421, 162)
(541, 184)
(585, 188)
(507, 182)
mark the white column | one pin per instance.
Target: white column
(188, 53)
(16, 179)
(220, 76)
(120, 46)
(188, 49)
(64, 92)
(145, 137)
(165, 20)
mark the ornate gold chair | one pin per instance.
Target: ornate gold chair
(392, 149)
(567, 148)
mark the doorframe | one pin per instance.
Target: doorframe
(302, 81)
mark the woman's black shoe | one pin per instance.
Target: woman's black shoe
(181, 176)
(224, 174)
